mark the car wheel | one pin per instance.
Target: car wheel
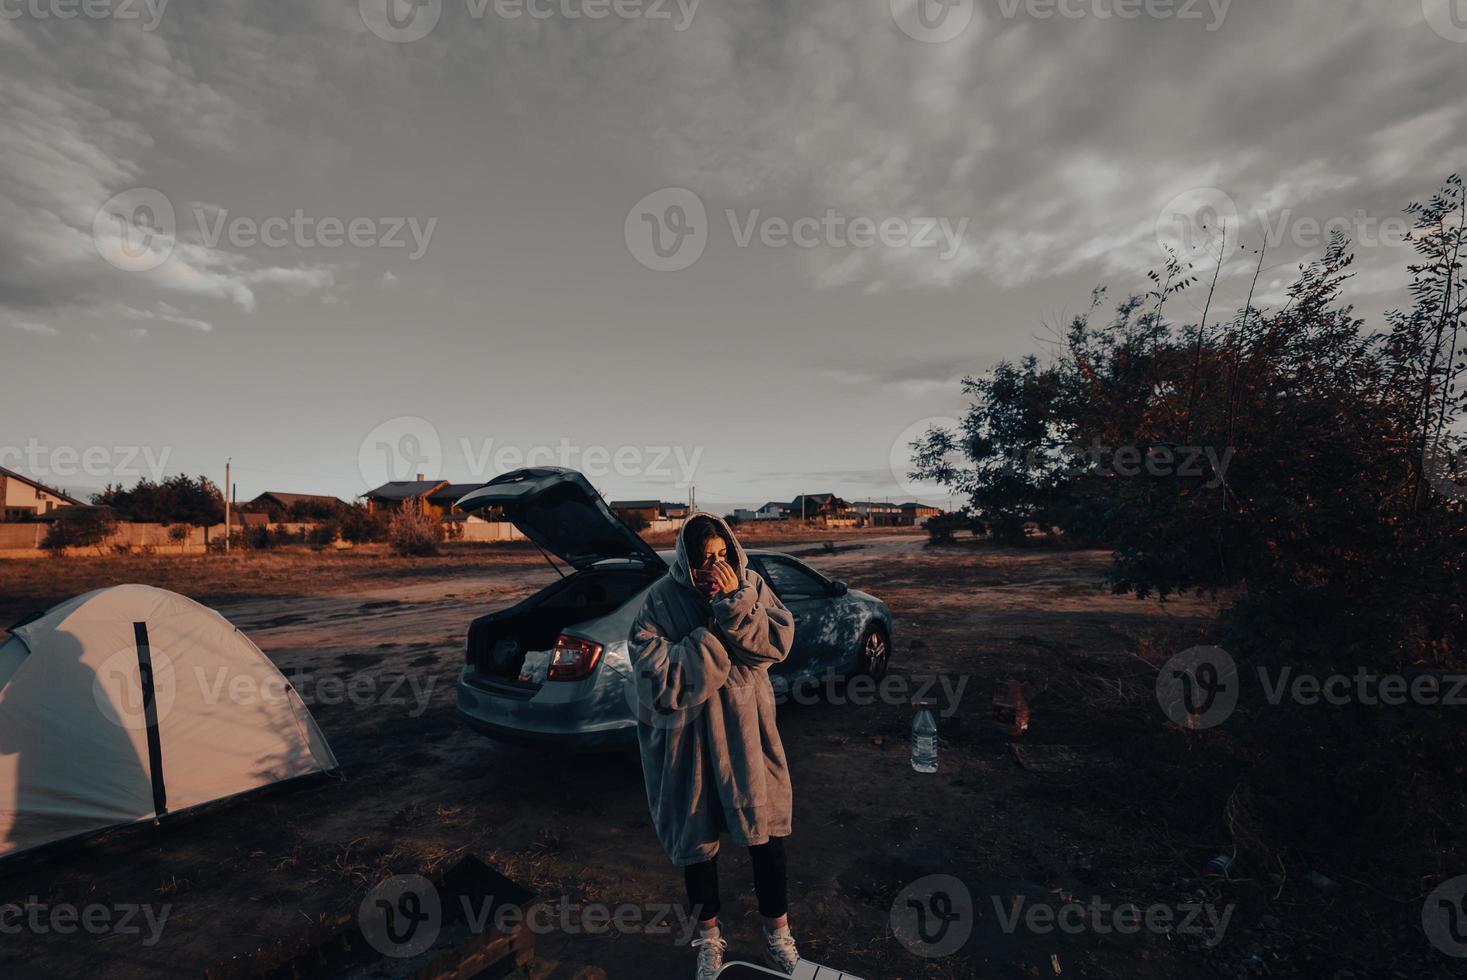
(875, 651)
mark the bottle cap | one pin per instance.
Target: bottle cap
(923, 703)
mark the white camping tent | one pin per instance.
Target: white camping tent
(130, 703)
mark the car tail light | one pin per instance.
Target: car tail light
(574, 658)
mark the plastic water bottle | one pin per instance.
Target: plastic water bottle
(924, 738)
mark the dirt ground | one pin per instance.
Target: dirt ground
(1078, 810)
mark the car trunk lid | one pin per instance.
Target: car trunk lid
(560, 511)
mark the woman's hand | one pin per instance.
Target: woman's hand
(723, 575)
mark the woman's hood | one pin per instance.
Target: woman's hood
(682, 566)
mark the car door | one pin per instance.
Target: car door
(807, 595)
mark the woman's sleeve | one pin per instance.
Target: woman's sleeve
(673, 676)
(761, 629)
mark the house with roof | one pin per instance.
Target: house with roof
(435, 498)
(812, 506)
(281, 505)
(22, 498)
(877, 513)
(637, 511)
(914, 513)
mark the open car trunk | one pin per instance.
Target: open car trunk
(499, 642)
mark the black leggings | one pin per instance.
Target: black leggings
(769, 882)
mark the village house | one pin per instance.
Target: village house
(914, 513)
(281, 505)
(878, 513)
(637, 512)
(823, 506)
(432, 497)
(22, 498)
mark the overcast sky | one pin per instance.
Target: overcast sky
(334, 244)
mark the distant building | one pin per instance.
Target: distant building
(407, 495)
(281, 504)
(673, 512)
(440, 502)
(810, 506)
(878, 513)
(772, 511)
(637, 510)
(22, 498)
(915, 513)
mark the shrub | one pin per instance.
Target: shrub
(324, 534)
(414, 535)
(80, 527)
(943, 528)
(360, 526)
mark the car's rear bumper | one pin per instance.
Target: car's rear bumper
(546, 717)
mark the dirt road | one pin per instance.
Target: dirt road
(1066, 818)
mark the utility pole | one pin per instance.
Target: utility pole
(228, 492)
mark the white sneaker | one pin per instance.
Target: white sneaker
(710, 957)
(780, 952)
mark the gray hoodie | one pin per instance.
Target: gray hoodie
(711, 755)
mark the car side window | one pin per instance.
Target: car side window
(792, 581)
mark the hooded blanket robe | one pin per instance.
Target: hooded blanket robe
(711, 755)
